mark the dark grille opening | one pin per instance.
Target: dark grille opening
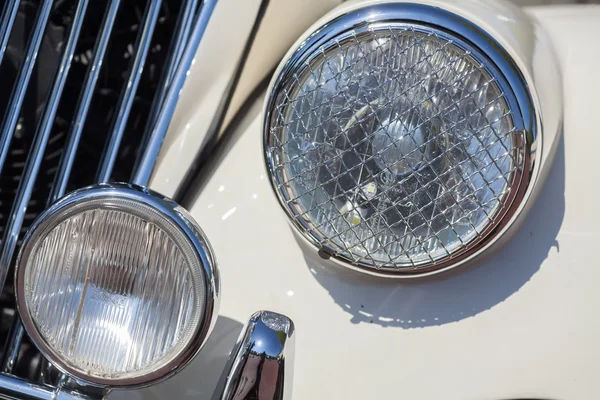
(113, 76)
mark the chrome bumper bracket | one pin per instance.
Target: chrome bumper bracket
(261, 363)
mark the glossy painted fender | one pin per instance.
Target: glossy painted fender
(522, 324)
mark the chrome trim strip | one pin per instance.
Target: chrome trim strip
(32, 166)
(143, 171)
(12, 387)
(9, 14)
(128, 94)
(176, 51)
(182, 220)
(180, 38)
(12, 346)
(183, 30)
(18, 94)
(261, 367)
(68, 157)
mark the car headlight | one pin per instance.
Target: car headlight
(116, 285)
(401, 139)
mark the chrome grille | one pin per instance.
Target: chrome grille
(87, 76)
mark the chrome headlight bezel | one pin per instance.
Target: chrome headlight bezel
(469, 36)
(180, 219)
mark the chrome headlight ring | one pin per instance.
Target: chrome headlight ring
(448, 29)
(102, 334)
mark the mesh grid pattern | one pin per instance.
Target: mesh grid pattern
(393, 147)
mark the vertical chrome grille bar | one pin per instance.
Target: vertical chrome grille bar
(32, 166)
(183, 28)
(68, 157)
(13, 344)
(9, 14)
(158, 129)
(176, 48)
(128, 94)
(18, 93)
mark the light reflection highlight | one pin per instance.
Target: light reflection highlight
(228, 213)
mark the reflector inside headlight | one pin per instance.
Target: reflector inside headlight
(116, 285)
(394, 145)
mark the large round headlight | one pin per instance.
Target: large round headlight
(403, 144)
(116, 285)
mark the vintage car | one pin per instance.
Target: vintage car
(309, 199)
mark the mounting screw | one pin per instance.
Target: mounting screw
(325, 252)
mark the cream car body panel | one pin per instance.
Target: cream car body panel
(220, 50)
(521, 324)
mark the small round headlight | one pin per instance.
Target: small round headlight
(399, 146)
(116, 285)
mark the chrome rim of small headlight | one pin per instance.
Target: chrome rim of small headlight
(465, 35)
(180, 220)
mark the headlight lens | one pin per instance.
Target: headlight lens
(116, 285)
(394, 145)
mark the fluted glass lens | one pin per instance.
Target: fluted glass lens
(114, 293)
(393, 146)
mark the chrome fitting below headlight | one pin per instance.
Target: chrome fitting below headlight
(262, 361)
(117, 286)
